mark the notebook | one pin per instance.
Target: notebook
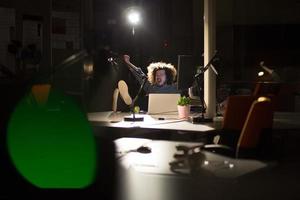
(162, 104)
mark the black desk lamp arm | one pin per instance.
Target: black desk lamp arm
(137, 96)
(203, 104)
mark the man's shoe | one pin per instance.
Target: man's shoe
(123, 89)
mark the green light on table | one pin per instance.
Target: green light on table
(52, 145)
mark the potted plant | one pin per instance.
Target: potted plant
(183, 105)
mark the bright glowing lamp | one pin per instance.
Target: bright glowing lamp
(260, 74)
(133, 17)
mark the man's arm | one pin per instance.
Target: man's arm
(129, 64)
(137, 72)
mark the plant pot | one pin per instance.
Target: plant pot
(183, 111)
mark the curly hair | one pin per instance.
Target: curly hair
(169, 69)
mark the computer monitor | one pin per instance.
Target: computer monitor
(186, 71)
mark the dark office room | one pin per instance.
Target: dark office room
(152, 100)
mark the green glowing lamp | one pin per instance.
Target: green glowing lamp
(51, 142)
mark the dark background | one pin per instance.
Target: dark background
(247, 32)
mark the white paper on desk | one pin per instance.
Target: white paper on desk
(165, 117)
(142, 162)
(177, 125)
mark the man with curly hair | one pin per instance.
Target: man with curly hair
(161, 76)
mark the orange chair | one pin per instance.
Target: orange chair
(259, 121)
(236, 111)
(254, 132)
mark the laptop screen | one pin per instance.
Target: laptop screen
(162, 103)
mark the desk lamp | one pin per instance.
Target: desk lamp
(197, 79)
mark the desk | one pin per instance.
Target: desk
(284, 123)
(111, 119)
(148, 176)
(162, 152)
(109, 124)
(282, 120)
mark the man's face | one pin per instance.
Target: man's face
(160, 77)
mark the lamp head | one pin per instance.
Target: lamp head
(134, 17)
(260, 74)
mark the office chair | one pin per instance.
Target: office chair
(236, 111)
(255, 132)
(235, 114)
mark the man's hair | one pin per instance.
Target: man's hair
(169, 69)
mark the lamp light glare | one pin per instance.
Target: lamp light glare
(134, 17)
(206, 162)
(261, 73)
(88, 68)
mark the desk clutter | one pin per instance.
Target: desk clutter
(180, 158)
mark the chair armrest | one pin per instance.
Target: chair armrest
(219, 149)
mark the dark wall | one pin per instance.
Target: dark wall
(277, 45)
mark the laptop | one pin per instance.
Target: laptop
(163, 104)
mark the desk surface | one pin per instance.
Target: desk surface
(281, 121)
(148, 176)
(162, 155)
(111, 119)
